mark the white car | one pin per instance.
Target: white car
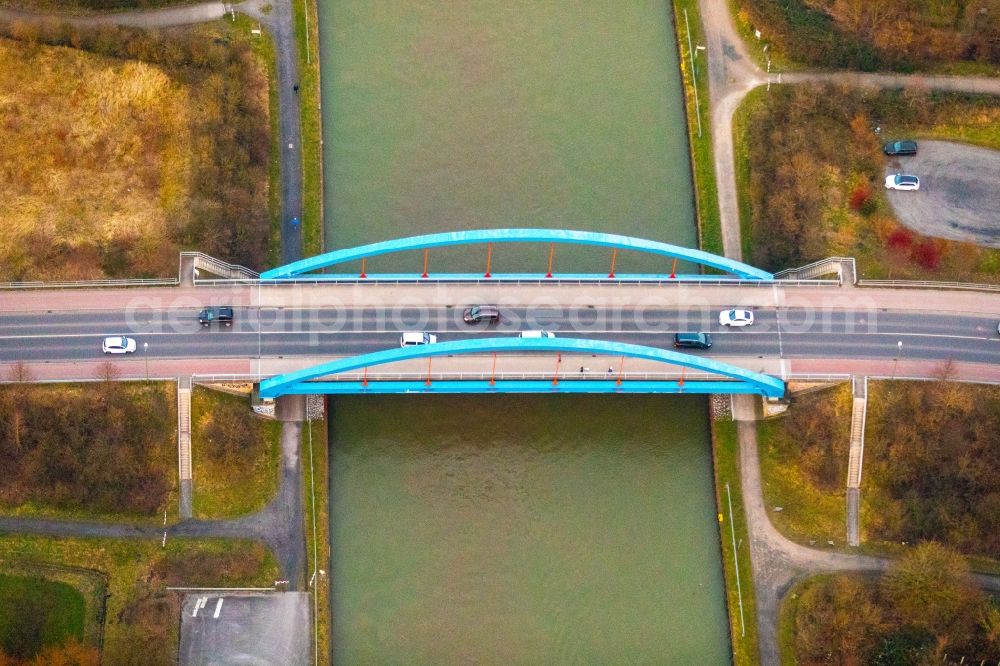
(118, 345)
(537, 334)
(735, 318)
(902, 181)
(412, 338)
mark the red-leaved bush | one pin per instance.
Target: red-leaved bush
(900, 239)
(859, 197)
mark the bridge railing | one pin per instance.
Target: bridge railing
(598, 281)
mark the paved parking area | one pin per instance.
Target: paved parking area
(959, 196)
(246, 628)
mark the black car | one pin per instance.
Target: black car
(478, 313)
(223, 315)
(900, 148)
(693, 340)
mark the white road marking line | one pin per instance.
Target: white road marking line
(218, 607)
(198, 605)
(777, 320)
(562, 333)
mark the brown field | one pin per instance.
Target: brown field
(109, 166)
(94, 159)
(90, 6)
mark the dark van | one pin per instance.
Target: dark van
(478, 313)
(693, 340)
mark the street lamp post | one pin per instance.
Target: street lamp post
(899, 352)
(145, 354)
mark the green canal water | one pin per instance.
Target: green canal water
(514, 529)
(524, 530)
(441, 116)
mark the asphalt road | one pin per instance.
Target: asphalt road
(787, 333)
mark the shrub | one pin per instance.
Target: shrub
(927, 254)
(860, 195)
(106, 449)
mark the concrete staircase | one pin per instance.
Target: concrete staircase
(184, 443)
(856, 457)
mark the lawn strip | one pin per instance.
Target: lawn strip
(244, 480)
(312, 127)
(726, 453)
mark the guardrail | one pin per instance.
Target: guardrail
(92, 284)
(928, 284)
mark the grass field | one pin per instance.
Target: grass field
(47, 612)
(521, 114)
(794, 451)
(315, 463)
(928, 460)
(699, 128)
(239, 474)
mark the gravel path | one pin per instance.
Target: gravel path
(959, 196)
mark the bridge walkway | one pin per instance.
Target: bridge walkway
(859, 412)
(184, 443)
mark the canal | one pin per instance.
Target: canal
(514, 529)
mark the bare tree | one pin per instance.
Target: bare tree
(108, 372)
(20, 373)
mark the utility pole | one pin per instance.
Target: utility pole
(899, 352)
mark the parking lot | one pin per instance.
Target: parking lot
(266, 628)
(959, 196)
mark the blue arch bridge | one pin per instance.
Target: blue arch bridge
(328, 378)
(332, 377)
(730, 269)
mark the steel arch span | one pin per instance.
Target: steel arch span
(740, 380)
(429, 241)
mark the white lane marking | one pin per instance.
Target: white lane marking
(777, 320)
(562, 333)
(218, 607)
